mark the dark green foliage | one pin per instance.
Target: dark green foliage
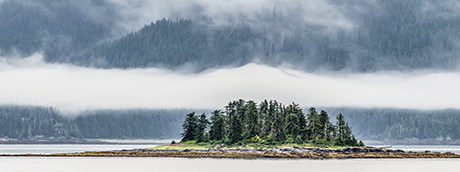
(29, 123)
(394, 124)
(314, 127)
(164, 43)
(292, 125)
(131, 123)
(296, 123)
(236, 129)
(341, 129)
(278, 133)
(189, 127)
(344, 135)
(218, 126)
(194, 128)
(271, 123)
(386, 35)
(57, 28)
(252, 120)
(201, 125)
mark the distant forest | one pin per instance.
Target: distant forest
(387, 124)
(388, 35)
(31, 122)
(129, 124)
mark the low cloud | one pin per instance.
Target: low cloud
(137, 13)
(33, 82)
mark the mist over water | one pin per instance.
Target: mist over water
(30, 81)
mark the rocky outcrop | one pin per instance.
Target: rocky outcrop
(296, 152)
(280, 150)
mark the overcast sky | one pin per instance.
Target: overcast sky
(69, 88)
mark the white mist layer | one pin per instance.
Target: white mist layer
(70, 88)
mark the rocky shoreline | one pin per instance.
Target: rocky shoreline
(250, 153)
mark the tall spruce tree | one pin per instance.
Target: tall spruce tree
(292, 125)
(235, 126)
(265, 119)
(189, 127)
(279, 133)
(314, 127)
(218, 126)
(201, 126)
(325, 124)
(236, 129)
(252, 120)
(341, 130)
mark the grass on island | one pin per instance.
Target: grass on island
(192, 144)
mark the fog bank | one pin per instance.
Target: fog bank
(30, 81)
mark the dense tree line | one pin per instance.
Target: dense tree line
(270, 122)
(29, 122)
(56, 28)
(130, 124)
(387, 35)
(32, 122)
(394, 124)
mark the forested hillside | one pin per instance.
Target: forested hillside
(385, 35)
(31, 122)
(383, 124)
(131, 124)
(56, 28)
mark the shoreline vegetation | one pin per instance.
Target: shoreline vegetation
(268, 130)
(267, 123)
(292, 152)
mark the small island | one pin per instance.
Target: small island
(268, 130)
(269, 123)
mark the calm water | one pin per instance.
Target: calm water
(421, 148)
(40, 164)
(102, 164)
(65, 148)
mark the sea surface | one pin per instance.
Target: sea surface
(65, 148)
(421, 148)
(123, 164)
(104, 164)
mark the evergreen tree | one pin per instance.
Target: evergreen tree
(279, 133)
(201, 126)
(252, 120)
(284, 128)
(295, 109)
(236, 129)
(189, 127)
(265, 118)
(326, 125)
(235, 126)
(342, 130)
(314, 126)
(292, 125)
(218, 126)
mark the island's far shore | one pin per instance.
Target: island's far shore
(248, 153)
(86, 141)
